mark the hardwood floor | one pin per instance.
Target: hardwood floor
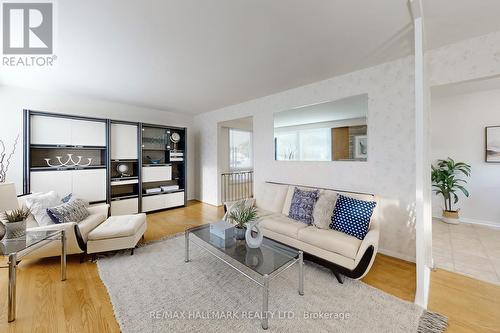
(81, 304)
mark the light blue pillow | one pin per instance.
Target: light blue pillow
(352, 216)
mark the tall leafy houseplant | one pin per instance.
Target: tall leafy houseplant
(448, 180)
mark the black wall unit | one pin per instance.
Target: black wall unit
(118, 155)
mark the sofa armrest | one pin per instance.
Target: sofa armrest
(69, 227)
(99, 209)
(74, 242)
(371, 239)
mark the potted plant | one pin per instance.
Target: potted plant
(240, 215)
(15, 223)
(447, 182)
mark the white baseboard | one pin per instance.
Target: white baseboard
(397, 255)
(475, 221)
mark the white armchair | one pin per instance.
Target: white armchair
(76, 233)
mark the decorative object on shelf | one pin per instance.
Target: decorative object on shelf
(254, 242)
(5, 158)
(493, 144)
(123, 170)
(361, 146)
(154, 161)
(176, 155)
(169, 188)
(446, 181)
(153, 190)
(69, 162)
(175, 138)
(15, 223)
(241, 215)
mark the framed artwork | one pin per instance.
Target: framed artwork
(361, 146)
(493, 144)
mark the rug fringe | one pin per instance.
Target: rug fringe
(431, 322)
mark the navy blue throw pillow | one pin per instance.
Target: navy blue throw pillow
(302, 205)
(352, 216)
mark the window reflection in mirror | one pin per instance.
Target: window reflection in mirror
(330, 131)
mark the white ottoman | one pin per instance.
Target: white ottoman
(117, 233)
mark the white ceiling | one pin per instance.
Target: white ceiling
(195, 56)
(342, 109)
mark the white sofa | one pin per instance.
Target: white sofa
(344, 254)
(76, 233)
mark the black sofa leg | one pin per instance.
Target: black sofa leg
(132, 251)
(338, 276)
(82, 257)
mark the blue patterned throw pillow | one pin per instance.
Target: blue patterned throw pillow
(352, 216)
(73, 211)
(302, 205)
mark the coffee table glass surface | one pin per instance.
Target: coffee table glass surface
(269, 260)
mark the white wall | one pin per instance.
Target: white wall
(458, 125)
(388, 173)
(13, 100)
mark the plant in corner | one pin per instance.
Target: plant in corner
(240, 215)
(447, 182)
(15, 223)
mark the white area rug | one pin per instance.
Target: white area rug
(156, 291)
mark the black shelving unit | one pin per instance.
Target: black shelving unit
(157, 146)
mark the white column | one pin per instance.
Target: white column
(423, 185)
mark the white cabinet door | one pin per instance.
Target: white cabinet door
(162, 201)
(123, 142)
(174, 199)
(156, 173)
(125, 207)
(88, 133)
(90, 185)
(45, 181)
(50, 130)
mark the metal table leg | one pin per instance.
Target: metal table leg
(301, 273)
(186, 235)
(63, 255)
(265, 302)
(12, 287)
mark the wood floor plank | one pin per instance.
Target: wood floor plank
(82, 304)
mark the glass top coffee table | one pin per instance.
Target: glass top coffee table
(17, 248)
(268, 261)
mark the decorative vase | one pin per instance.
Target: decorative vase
(450, 217)
(2, 230)
(15, 229)
(254, 241)
(240, 233)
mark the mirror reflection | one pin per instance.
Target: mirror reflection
(330, 131)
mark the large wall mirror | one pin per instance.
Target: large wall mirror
(330, 131)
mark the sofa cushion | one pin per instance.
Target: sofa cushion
(302, 206)
(38, 204)
(74, 210)
(352, 216)
(282, 225)
(118, 226)
(90, 223)
(323, 210)
(271, 197)
(330, 240)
